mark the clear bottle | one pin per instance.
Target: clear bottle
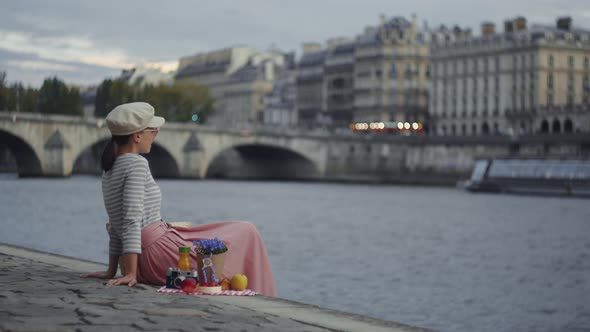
(184, 262)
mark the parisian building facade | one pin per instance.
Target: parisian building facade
(381, 75)
(391, 73)
(338, 84)
(311, 94)
(522, 80)
(280, 104)
(238, 79)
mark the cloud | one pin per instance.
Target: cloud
(65, 48)
(40, 65)
(164, 66)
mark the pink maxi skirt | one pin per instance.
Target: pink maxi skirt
(246, 252)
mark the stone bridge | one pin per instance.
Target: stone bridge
(62, 145)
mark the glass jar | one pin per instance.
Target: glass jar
(184, 262)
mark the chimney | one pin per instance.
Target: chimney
(488, 29)
(520, 24)
(564, 23)
(311, 47)
(508, 26)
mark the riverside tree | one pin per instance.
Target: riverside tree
(180, 101)
(177, 102)
(57, 98)
(15, 97)
(111, 93)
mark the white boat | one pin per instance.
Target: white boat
(531, 176)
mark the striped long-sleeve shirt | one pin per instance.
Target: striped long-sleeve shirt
(132, 200)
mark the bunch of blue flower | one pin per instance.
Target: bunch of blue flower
(209, 247)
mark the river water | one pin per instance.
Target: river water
(438, 258)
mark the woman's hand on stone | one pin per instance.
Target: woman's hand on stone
(99, 275)
(129, 280)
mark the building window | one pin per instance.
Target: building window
(485, 128)
(545, 126)
(485, 64)
(570, 100)
(392, 71)
(550, 60)
(570, 60)
(550, 99)
(378, 73)
(513, 100)
(586, 63)
(514, 62)
(550, 81)
(428, 71)
(363, 74)
(474, 66)
(474, 129)
(497, 61)
(568, 126)
(556, 126)
(523, 61)
(409, 70)
(532, 56)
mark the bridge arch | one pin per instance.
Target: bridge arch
(162, 163)
(27, 160)
(261, 161)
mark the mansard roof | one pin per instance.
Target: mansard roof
(202, 68)
(313, 59)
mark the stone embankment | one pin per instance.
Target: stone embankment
(42, 292)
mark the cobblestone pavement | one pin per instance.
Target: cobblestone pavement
(40, 296)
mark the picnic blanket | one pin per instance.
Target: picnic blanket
(245, 292)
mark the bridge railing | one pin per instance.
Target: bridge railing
(316, 133)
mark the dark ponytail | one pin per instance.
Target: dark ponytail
(110, 153)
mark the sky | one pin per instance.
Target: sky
(83, 42)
